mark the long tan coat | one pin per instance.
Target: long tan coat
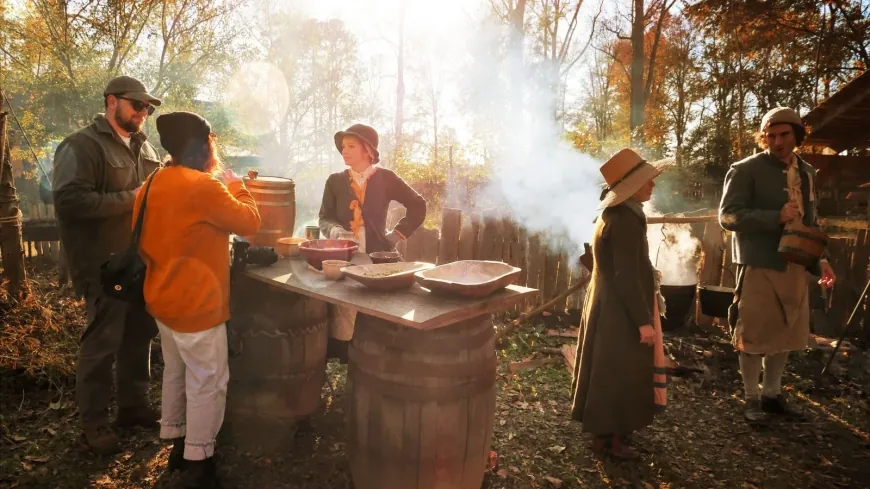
(613, 373)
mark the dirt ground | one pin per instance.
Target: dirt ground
(700, 442)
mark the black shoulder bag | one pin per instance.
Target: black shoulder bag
(122, 276)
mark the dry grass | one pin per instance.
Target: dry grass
(39, 336)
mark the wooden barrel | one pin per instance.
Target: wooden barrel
(276, 201)
(802, 244)
(421, 404)
(278, 366)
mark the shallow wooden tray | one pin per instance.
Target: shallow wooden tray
(386, 276)
(469, 278)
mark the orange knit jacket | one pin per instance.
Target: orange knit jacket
(185, 244)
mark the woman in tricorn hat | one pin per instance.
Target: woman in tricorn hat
(619, 377)
(357, 200)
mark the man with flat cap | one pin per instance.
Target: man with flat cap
(98, 171)
(770, 317)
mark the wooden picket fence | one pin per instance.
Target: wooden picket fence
(543, 259)
(41, 237)
(546, 266)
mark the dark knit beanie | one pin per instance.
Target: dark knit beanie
(183, 134)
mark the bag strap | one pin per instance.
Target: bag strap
(137, 229)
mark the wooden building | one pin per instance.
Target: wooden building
(842, 124)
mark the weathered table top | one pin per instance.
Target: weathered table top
(415, 307)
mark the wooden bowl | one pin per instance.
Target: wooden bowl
(387, 276)
(289, 246)
(385, 257)
(469, 278)
(332, 269)
(316, 250)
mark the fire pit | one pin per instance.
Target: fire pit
(679, 300)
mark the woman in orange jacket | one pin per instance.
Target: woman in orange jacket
(189, 215)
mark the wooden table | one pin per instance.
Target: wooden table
(421, 386)
(415, 308)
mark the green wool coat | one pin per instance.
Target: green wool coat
(613, 371)
(756, 189)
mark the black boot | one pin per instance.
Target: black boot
(176, 456)
(200, 474)
(778, 406)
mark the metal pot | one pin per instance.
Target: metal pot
(679, 300)
(715, 300)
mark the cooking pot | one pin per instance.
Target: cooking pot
(715, 300)
(678, 301)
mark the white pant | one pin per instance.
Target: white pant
(195, 377)
(341, 322)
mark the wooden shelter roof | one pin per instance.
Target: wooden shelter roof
(843, 120)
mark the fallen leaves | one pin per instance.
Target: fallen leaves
(554, 481)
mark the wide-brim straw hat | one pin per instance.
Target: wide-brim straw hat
(625, 173)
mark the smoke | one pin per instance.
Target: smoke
(537, 176)
(673, 250)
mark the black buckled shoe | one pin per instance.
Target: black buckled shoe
(778, 406)
(753, 412)
(176, 456)
(200, 474)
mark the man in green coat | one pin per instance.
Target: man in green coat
(98, 171)
(771, 314)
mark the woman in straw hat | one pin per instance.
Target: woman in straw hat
(619, 373)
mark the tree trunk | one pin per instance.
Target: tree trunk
(637, 89)
(400, 87)
(517, 35)
(11, 246)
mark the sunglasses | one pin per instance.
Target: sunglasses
(138, 105)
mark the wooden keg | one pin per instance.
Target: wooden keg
(421, 404)
(276, 201)
(277, 376)
(802, 244)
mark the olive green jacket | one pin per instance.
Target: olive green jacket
(756, 189)
(613, 371)
(93, 180)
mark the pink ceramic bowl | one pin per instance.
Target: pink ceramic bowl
(317, 250)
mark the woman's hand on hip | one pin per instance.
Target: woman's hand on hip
(394, 238)
(647, 335)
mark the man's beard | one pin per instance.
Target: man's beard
(127, 125)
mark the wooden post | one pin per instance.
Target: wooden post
(564, 277)
(451, 225)
(414, 246)
(430, 244)
(491, 237)
(468, 243)
(11, 245)
(520, 254)
(551, 269)
(711, 272)
(536, 265)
